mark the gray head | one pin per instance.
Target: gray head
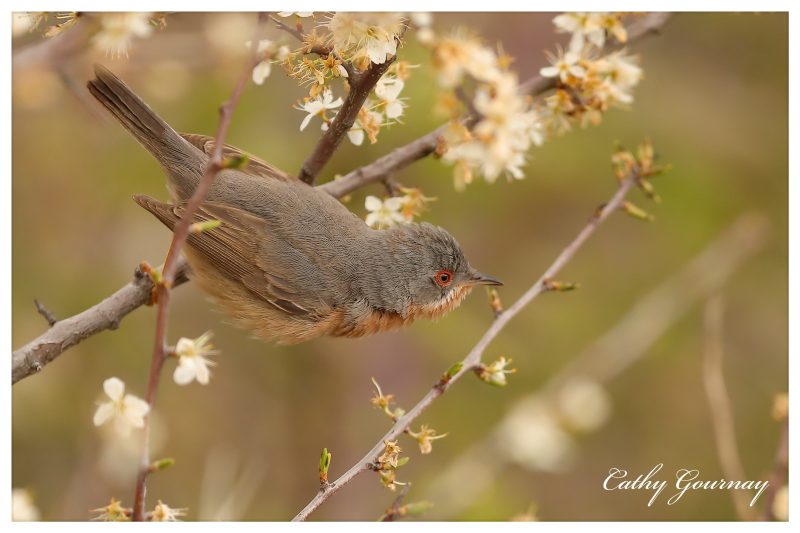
(435, 274)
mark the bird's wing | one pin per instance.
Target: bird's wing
(254, 167)
(236, 250)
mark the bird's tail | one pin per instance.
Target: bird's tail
(166, 144)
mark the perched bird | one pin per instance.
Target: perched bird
(290, 262)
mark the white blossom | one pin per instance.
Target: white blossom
(500, 140)
(583, 27)
(584, 404)
(421, 19)
(532, 437)
(371, 35)
(22, 507)
(301, 14)
(193, 362)
(356, 135)
(165, 513)
(422, 22)
(126, 411)
(621, 69)
(383, 213)
(388, 90)
(563, 65)
(318, 106)
(457, 55)
(117, 30)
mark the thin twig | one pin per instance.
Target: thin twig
(163, 289)
(473, 358)
(604, 359)
(42, 310)
(392, 513)
(66, 333)
(720, 404)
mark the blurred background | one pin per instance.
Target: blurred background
(714, 100)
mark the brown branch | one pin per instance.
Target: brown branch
(46, 313)
(424, 146)
(68, 332)
(163, 289)
(360, 88)
(720, 404)
(473, 358)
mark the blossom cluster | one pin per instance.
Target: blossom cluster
(350, 43)
(588, 83)
(365, 38)
(508, 124)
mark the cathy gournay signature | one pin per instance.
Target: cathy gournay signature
(685, 480)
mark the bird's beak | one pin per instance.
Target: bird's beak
(483, 279)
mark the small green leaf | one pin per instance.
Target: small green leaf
(161, 464)
(206, 225)
(324, 465)
(636, 212)
(454, 369)
(416, 508)
(236, 161)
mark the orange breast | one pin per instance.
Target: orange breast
(380, 320)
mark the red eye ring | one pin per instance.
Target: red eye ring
(443, 278)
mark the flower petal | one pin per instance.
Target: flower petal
(356, 136)
(394, 110)
(184, 373)
(261, 72)
(549, 72)
(135, 406)
(305, 121)
(103, 413)
(202, 372)
(393, 204)
(373, 203)
(114, 388)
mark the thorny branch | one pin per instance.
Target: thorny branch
(473, 358)
(164, 288)
(32, 357)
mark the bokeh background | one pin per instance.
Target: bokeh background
(714, 100)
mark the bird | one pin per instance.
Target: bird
(289, 262)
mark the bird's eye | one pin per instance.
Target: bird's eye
(443, 278)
